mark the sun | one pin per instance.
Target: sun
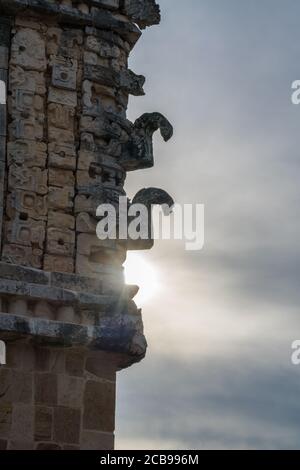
(140, 272)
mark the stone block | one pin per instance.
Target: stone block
(28, 204)
(46, 389)
(22, 255)
(101, 47)
(70, 391)
(88, 204)
(91, 440)
(59, 219)
(28, 50)
(100, 127)
(61, 178)
(5, 419)
(42, 360)
(27, 80)
(57, 361)
(70, 447)
(63, 97)
(20, 273)
(43, 309)
(67, 314)
(21, 445)
(61, 264)
(26, 103)
(48, 446)
(70, 42)
(99, 406)
(22, 422)
(27, 154)
(26, 128)
(62, 155)
(89, 245)
(102, 365)
(61, 135)
(125, 80)
(67, 425)
(18, 387)
(60, 242)
(3, 444)
(60, 199)
(43, 423)
(17, 306)
(26, 232)
(77, 283)
(85, 223)
(61, 117)
(74, 364)
(64, 73)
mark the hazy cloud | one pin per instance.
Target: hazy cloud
(218, 371)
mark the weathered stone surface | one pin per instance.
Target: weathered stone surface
(64, 73)
(27, 80)
(22, 422)
(43, 423)
(62, 155)
(65, 146)
(15, 386)
(27, 203)
(27, 154)
(60, 199)
(63, 97)
(142, 12)
(70, 391)
(66, 425)
(77, 283)
(22, 255)
(99, 405)
(3, 444)
(101, 365)
(28, 179)
(125, 80)
(28, 50)
(27, 233)
(45, 389)
(91, 440)
(48, 446)
(138, 151)
(63, 264)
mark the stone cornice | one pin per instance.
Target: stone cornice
(99, 18)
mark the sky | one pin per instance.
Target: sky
(218, 372)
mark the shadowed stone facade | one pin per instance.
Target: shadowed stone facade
(68, 319)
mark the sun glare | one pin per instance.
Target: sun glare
(140, 272)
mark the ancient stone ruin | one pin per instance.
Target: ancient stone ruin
(68, 319)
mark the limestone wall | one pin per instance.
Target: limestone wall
(57, 399)
(67, 317)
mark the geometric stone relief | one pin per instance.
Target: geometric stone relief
(28, 50)
(27, 153)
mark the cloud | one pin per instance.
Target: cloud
(209, 404)
(218, 371)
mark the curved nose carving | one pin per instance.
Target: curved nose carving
(137, 154)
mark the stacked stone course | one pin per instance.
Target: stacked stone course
(68, 319)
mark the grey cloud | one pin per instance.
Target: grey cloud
(221, 71)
